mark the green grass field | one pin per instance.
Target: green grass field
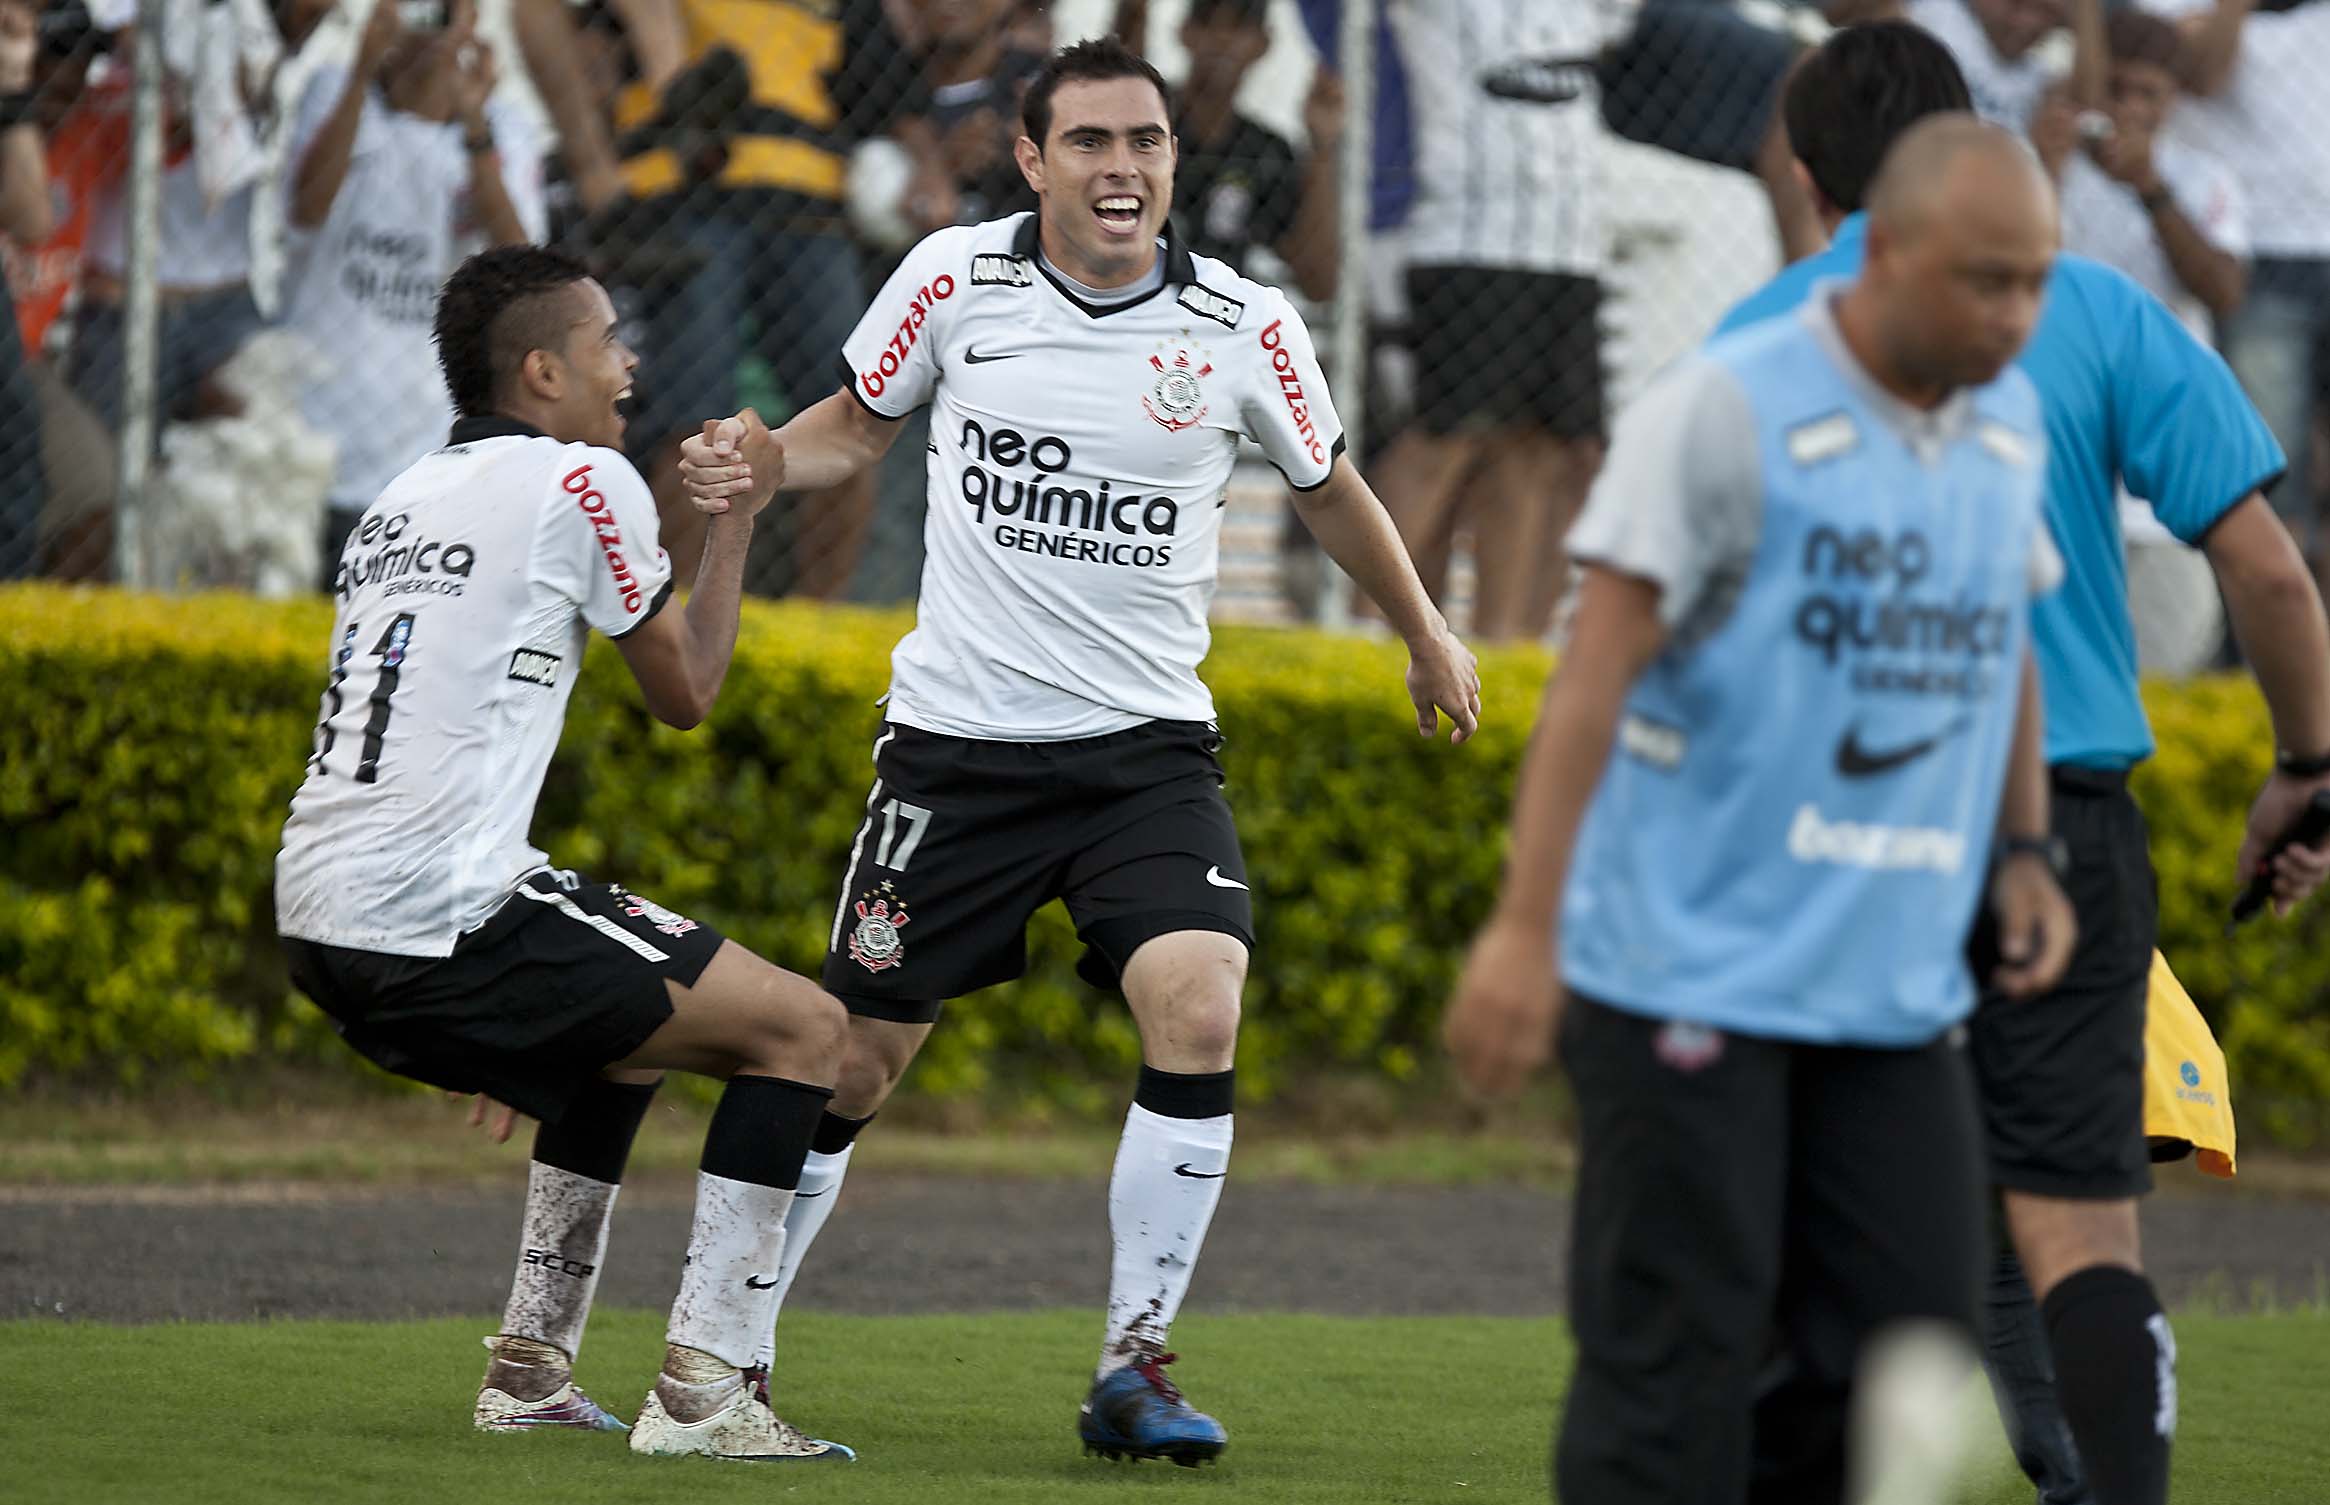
(944, 1410)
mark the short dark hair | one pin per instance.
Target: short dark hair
(495, 308)
(1094, 61)
(2135, 36)
(1851, 97)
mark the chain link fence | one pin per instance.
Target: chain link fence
(1500, 215)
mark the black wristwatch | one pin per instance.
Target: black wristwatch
(2300, 767)
(15, 109)
(2051, 850)
(2156, 200)
(478, 145)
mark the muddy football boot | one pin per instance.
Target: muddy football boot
(567, 1406)
(744, 1430)
(1137, 1413)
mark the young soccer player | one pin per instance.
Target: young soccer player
(1047, 734)
(417, 914)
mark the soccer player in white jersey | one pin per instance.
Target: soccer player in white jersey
(1090, 381)
(416, 913)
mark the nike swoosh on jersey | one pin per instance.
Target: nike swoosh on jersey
(974, 358)
(1183, 1170)
(1213, 875)
(751, 1284)
(1857, 762)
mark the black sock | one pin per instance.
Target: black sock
(760, 1131)
(1182, 1094)
(593, 1137)
(836, 1133)
(2115, 1368)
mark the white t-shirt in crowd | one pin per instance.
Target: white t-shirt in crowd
(195, 245)
(466, 594)
(2005, 91)
(2103, 221)
(362, 287)
(1080, 457)
(1504, 183)
(2271, 125)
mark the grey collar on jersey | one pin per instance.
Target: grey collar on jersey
(1923, 429)
(1179, 268)
(1106, 297)
(492, 426)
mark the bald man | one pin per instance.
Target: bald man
(2128, 395)
(1792, 748)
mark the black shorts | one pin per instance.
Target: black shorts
(1497, 348)
(1749, 1212)
(2062, 1076)
(964, 840)
(1698, 78)
(566, 979)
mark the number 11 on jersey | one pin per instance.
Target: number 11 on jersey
(390, 650)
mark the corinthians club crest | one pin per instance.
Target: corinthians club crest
(874, 944)
(1177, 401)
(668, 921)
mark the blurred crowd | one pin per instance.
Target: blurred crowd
(741, 173)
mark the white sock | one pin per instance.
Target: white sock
(1168, 1179)
(812, 1205)
(562, 1245)
(731, 1272)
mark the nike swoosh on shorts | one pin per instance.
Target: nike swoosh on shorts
(1213, 875)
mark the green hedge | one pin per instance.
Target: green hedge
(148, 750)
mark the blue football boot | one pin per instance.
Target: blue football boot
(1137, 1413)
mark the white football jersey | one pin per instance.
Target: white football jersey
(1079, 461)
(466, 595)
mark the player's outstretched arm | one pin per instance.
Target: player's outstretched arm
(823, 446)
(681, 657)
(1351, 525)
(2277, 618)
(1501, 1022)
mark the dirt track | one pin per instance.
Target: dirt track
(908, 1244)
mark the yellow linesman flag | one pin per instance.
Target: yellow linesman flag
(2187, 1098)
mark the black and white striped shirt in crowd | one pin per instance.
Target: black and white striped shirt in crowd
(1506, 176)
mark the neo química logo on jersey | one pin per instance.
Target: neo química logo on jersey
(1866, 606)
(1038, 507)
(388, 552)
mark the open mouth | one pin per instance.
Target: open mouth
(624, 405)
(1119, 214)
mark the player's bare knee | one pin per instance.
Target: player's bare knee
(789, 1028)
(1189, 1015)
(1206, 1027)
(865, 1082)
(816, 1031)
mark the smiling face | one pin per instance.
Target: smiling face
(587, 379)
(1103, 177)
